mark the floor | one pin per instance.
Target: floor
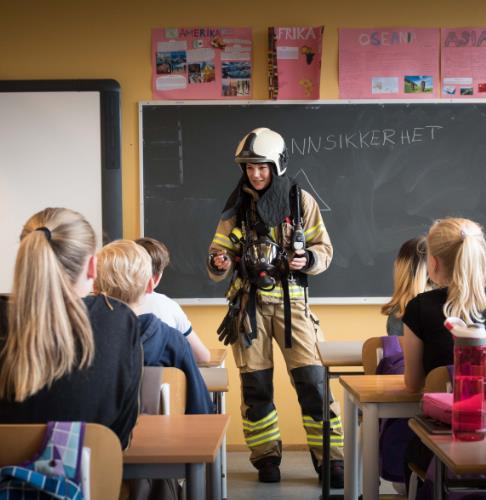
(298, 479)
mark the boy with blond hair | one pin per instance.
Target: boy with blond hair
(166, 309)
(124, 271)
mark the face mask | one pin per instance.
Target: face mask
(263, 261)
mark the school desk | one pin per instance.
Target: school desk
(176, 446)
(459, 457)
(378, 396)
(217, 357)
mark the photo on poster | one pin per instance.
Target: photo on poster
(467, 91)
(482, 87)
(201, 72)
(236, 69)
(384, 85)
(236, 87)
(171, 63)
(418, 84)
(449, 90)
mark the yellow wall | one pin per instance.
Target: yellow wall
(111, 39)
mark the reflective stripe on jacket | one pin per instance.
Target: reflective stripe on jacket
(317, 242)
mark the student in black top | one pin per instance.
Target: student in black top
(456, 261)
(64, 357)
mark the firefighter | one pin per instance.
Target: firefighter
(270, 237)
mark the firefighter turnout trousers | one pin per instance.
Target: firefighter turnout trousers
(260, 419)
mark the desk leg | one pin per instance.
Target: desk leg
(224, 464)
(371, 481)
(439, 479)
(195, 481)
(350, 449)
(213, 478)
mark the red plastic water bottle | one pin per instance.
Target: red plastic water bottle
(469, 406)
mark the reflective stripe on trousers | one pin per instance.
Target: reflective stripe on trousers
(314, 430)
(262, 431)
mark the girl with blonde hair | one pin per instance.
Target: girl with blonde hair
(409, 279)
(65, 357)
(456, 261)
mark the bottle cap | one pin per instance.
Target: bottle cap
(459, 329)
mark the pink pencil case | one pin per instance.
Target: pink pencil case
(438, 405)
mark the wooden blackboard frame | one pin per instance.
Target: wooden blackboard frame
(313, 300)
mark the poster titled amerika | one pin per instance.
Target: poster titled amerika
(201, 63)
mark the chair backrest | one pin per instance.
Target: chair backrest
(176, 380)
(438, 380)
(154, 399)
(373, 353)
(21, 442)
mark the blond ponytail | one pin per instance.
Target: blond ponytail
(460, 246)
(49, 332)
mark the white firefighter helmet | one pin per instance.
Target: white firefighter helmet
(263, 145)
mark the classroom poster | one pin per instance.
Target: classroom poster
(463, 62)
(389, 63)
(201, 63)
(294, 62)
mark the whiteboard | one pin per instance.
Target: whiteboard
(50, 156)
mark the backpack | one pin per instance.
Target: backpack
(54, 472)
(395, 433)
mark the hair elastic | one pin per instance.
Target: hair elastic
(46, 231)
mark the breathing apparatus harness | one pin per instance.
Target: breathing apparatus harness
(263, 263)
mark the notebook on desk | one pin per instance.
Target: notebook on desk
(432, 425)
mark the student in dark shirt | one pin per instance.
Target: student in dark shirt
(125, 272)
(64, 357)
(456, 261)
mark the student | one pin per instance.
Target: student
(166, 309)
(456, 261)
(125, 272)
(64, 357)
(409, 279)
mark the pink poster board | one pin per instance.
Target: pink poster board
(463, 62)
(201, 63)
(389, 63)
(295, 62)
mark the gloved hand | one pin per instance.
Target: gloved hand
(229, 329)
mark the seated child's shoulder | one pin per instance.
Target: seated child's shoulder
(105, 305)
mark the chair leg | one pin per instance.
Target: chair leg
(412, 486)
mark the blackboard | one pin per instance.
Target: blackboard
(381, 172)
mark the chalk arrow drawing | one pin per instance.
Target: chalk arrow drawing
(307, 185)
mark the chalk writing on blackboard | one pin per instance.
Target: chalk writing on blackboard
(364, 139)
(308, 186)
